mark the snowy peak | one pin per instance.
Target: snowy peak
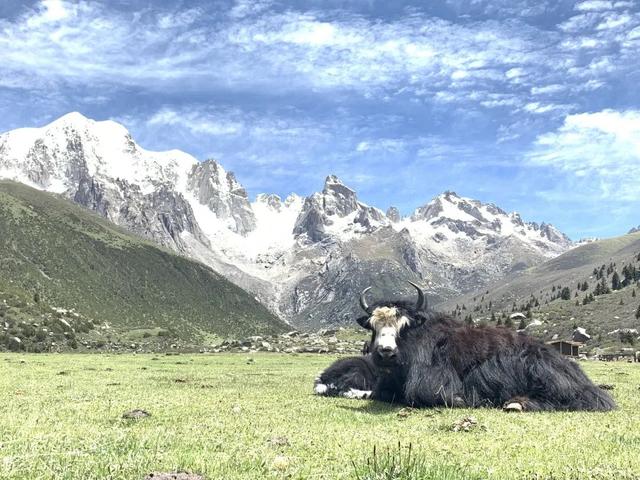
(99, 165)
(336, 213)
(451, 221)
(58, 156)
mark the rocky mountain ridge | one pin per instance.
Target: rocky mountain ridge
(306, 258)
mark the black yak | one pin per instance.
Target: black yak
(351, 377)
(425, 359)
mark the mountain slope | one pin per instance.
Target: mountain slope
(70, 258)
(305, 258)
(593, 299)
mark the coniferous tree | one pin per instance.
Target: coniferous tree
(523, 324)
(638, 312)
(565, 294)
(615, 281)
(508, 322)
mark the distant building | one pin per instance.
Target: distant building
(566, 347)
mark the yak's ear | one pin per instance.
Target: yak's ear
(364, 322)
(417, 320)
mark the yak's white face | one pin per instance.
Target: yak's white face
(386, 324)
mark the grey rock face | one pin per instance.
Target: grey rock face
(312, 220)
(91, 194)
(161, 215)
(174, 216)
(393, 214)
(471, 210)
(457, 226)
(337, 198)
(222, 193)
(551, 233)
(428, 211)
(369, 218)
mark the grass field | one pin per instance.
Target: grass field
(224, 417)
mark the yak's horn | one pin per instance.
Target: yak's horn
(420, 304)
(363, 300)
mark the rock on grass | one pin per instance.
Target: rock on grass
(465, 424)
(136, 414)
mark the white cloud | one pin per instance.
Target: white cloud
(234, 122)
(53, 11)
(600, 150)
(195, 122)
(594, 5)
(548, 89)
(538, 108)
(257, 46)
(382, 144)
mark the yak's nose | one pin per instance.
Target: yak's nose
(387, 352)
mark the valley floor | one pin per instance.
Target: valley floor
(224, 416)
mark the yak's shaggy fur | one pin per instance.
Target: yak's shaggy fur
(440, 361)
(351, 377)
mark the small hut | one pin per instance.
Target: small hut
(566, 347)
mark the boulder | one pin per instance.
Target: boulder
(580, 335)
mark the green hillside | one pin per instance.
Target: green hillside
(61, 264)
(595, 286)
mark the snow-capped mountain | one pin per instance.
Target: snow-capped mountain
(306, 258)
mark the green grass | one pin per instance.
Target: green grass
(226, 418)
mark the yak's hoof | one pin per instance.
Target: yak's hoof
(320, 389)
(357, 394)
(513, 407)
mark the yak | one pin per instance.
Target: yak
(423, 358)
(351, 377)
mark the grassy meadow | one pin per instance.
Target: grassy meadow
(231, 416)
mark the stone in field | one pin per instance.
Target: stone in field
(465, 424)
(136, 414)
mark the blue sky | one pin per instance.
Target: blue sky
(532, 105)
